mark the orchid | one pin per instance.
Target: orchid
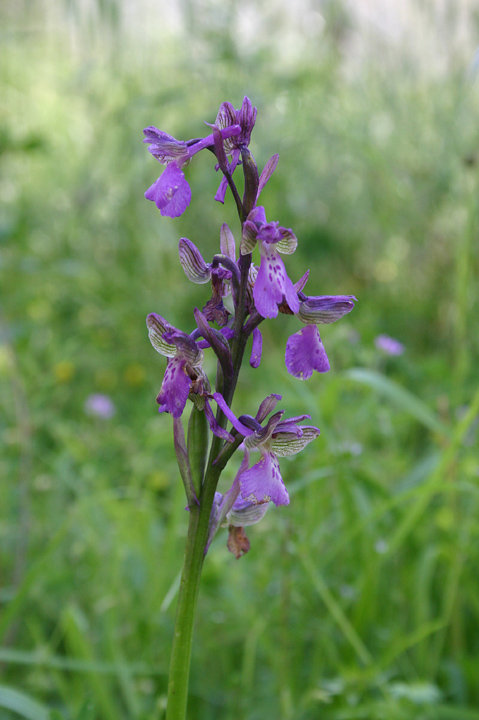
(227, 116)
(184, 377)
(242, 296)
(304, 350)
(171, 193)
(272, 284)
(263, 482)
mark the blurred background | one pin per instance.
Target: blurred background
(360, 599)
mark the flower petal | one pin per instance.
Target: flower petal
(248, 237)
(325, 309)
(185, 346)
(289, 443)
(267, 406)
(157, 326)
(288, 242)
(215, 428)
(175, 388)
(221, 192)
(171, 192)
(272, 283)
(305, 352)
(245, 513)
(263, 482)
(164, 147)
(227, 242)
(192, 262)
(255, 358)
(231, 416)
(268, 170)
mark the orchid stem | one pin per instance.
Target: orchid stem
(199, 520)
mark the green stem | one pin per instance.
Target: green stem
(199, 520)
(185, 615)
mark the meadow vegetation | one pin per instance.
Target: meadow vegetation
(360, 599)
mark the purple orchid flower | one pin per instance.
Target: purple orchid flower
(233, 512)
(262, 482)
(184, 376)
(272, 286)
(171, 193)
(245, 117)
(304, 350)
(198, 271)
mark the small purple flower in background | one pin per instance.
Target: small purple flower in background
(389, 345)
(100, 406)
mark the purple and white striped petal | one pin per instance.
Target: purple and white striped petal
(263, 482)
(290, 443)
(245, 513)
(257, 348)
(325, 309)
(157, 327)
(175, 388)
(305, 352)
(196, 270)
(227, 243)
(248, 237)
(272, 283)
(185, 346)
(288, 242)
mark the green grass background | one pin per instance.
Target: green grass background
(360, 599)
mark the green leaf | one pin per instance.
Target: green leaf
(404, 399)
(23, 705)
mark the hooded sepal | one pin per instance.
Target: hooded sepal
(325, 309)
(157, 326)
(196, 270)
(289, 442)
(227, 242)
